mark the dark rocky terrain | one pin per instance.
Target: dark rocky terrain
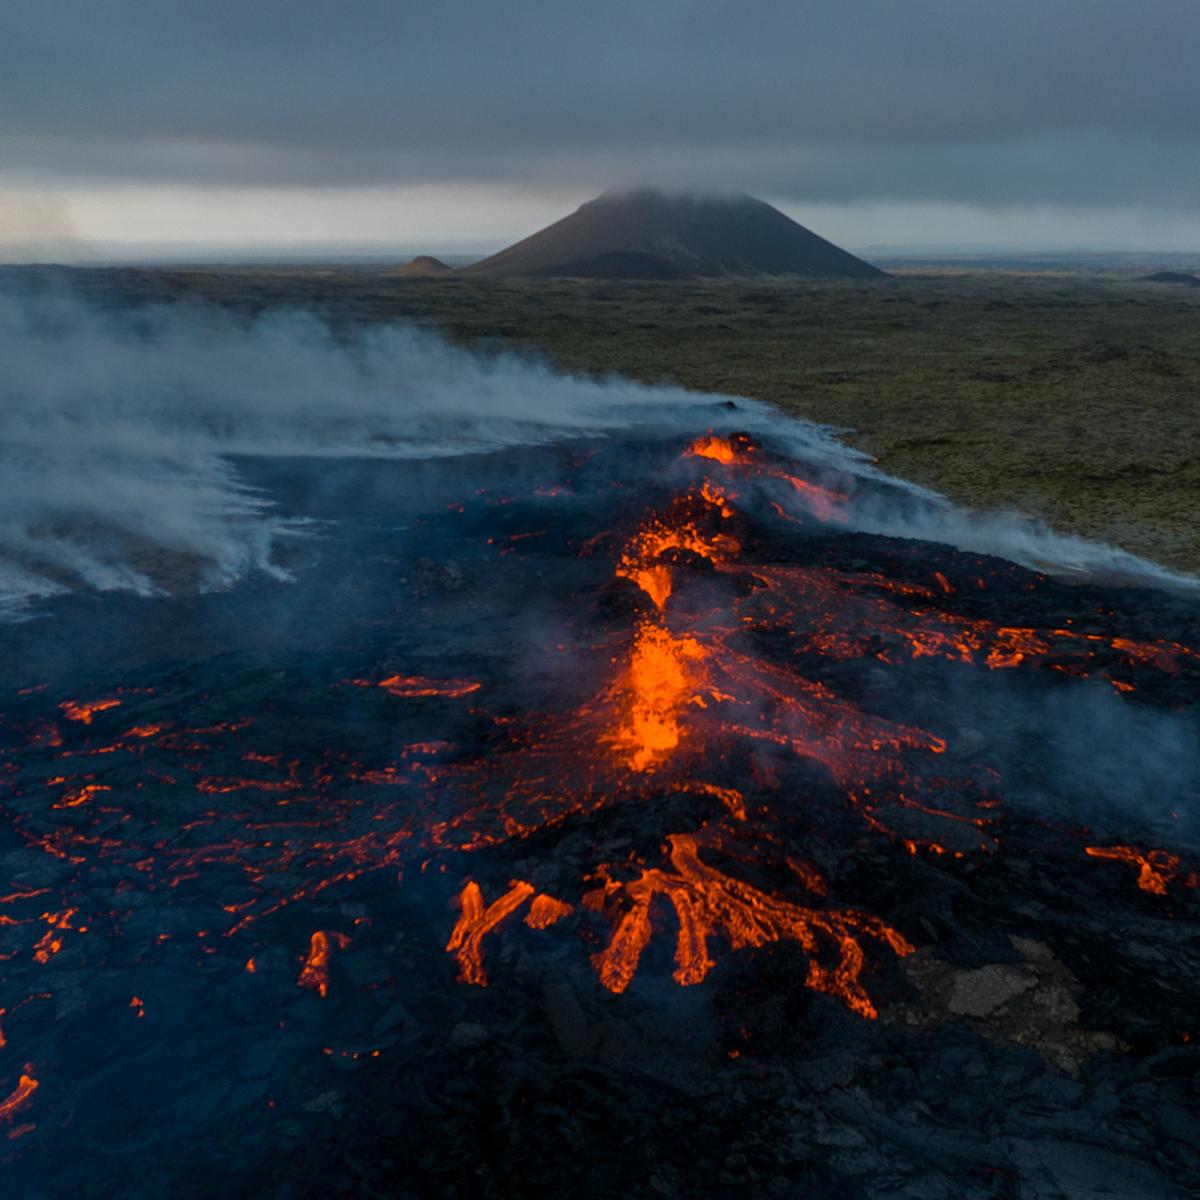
(910, 836)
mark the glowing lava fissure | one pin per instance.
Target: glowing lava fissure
(1156, 869)
(745, 697)
(710, 905)
(315, 971)
(683, 692)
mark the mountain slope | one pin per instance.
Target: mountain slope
(650, 234)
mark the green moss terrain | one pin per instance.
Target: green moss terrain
(1070, 396)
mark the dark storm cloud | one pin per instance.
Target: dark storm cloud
(1054, 100)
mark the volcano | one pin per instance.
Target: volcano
(425, 264)
(646, 234)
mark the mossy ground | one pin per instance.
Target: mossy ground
(1075, 397)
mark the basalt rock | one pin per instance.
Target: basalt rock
(823, 863)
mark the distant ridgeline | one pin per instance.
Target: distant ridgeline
(648, 234)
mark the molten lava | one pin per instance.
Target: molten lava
(85, 710)
(1155, 868)
(664, 675)
(315, 972)
(722, 696)
(410, 687)
(709, 905)
(740, 453)
(475, 922)
(545, 911)
(20, 1097)
(646, 559)
(720, 449)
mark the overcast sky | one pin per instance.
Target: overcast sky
(464, 123)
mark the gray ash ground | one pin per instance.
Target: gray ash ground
(167, 864)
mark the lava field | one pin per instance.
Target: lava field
(614, 818)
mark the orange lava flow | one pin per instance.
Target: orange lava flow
(678, 529)
(665, 671)
(85, 710)
(20, 1096)
(663, 676)
(719, 449)
(545, 911)
(50, 943)
(860, 624)
(709, 904)
(410, 687)
(821, 502)
(1156, 868)
(146, 731)
(675, 698)
(74, 797)
(315, 972)
(475, 922)
(738, 450)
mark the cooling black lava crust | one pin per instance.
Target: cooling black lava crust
(615, 818)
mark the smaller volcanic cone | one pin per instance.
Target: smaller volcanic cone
(425, 264)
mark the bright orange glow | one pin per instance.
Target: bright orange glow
(663, 676)
(1156, 868)
(719, 449)
(655, 581)
(50, 943)
(315, 972)
(709, 904)
(410, 687)
(857, 619)
(545, 911)
(475, 922)
(717, 498)
(722, 664)
(85, 710)
(20, 1096)
(738, 450)
(821, 502)
(74, 797)
(678, 530)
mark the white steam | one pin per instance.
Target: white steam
(117, 428)
(118, 431)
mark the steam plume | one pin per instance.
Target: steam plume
(120, 431)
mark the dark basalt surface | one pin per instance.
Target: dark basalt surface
(1040, 1041)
